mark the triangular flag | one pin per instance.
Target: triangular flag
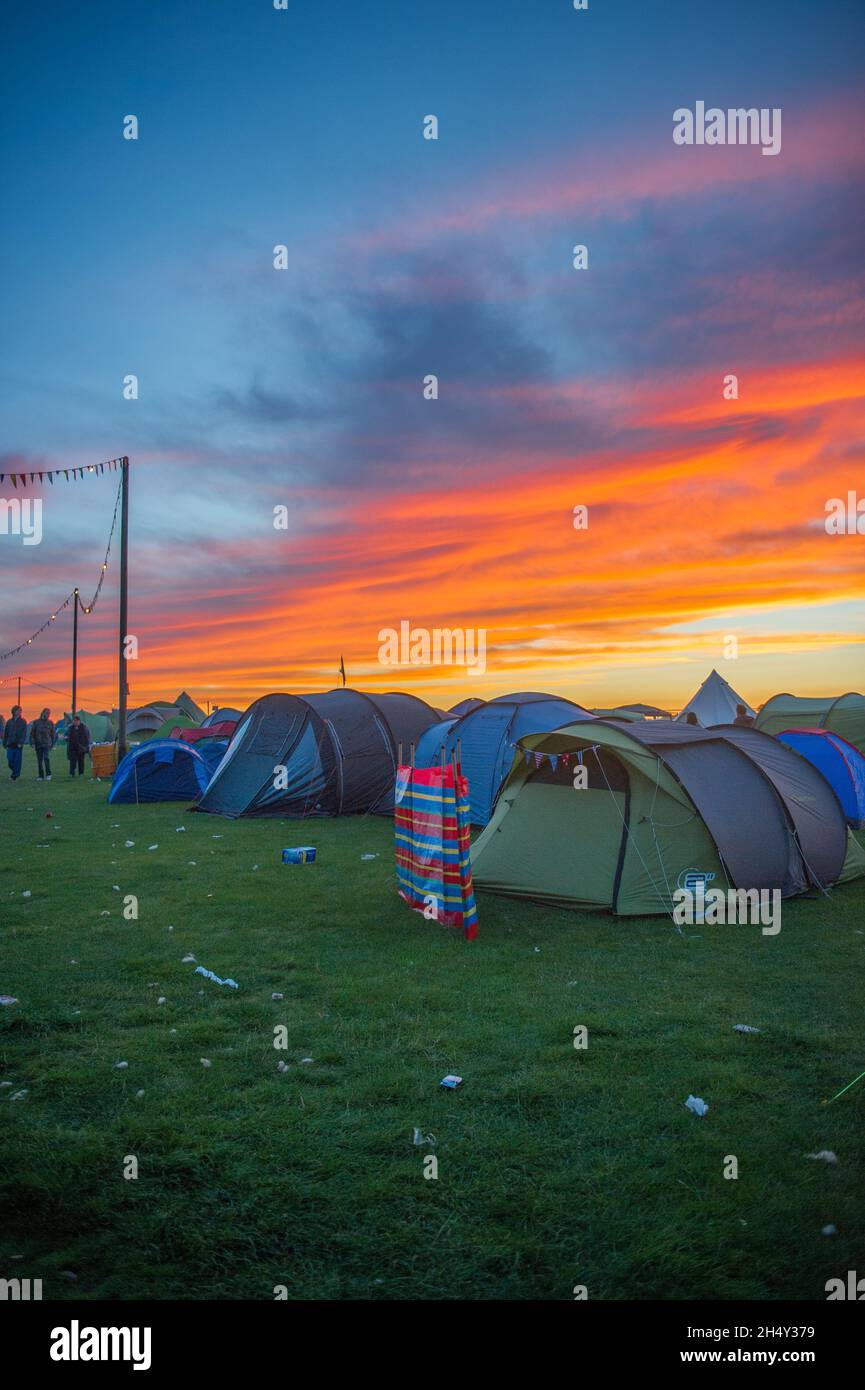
(539, 758)
(51, 479)
(528, 755)
(554, 758)
(14, 478)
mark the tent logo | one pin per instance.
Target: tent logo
(694, 880)
(438, 646)
(21, 516)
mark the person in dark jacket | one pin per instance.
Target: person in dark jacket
(743, 718)
(43, 738)
(77, 744)
(14, 739)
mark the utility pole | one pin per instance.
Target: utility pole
(75, 602)
(19, 690)
(124, 608)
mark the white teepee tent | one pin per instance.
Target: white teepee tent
(714, 703)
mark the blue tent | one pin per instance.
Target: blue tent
(163, 769)
(487, 735)
(212, 751)
(840, 762)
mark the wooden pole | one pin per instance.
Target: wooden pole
(124, 608)
(75, 602)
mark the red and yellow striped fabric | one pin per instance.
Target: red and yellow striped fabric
(433, 859)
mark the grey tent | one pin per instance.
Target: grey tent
(323, 755)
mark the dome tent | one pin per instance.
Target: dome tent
(664, 805)
(339, 753)
(842, 765)
(160, 770)
(486, 736)
(219, 716)
(843, 714)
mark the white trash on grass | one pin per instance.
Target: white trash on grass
(696, 1105)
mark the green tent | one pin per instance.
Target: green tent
(177, 721)
(662, 806)
(843, 714)
(101, 726)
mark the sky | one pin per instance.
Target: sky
(302, 388)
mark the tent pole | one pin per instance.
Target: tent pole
(122, 747)
(75, 603)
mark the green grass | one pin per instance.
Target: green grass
(556, 1167)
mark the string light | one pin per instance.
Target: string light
(88, 608)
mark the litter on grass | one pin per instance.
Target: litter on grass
(451, 1082)
(744, 1028)
(421, 1140)
(696, 1105)
(20, 1095)
(825, 1155)
(8, 999)
(826, 1231)
(119, 1066)
(188, 960)
(369, 856)
(209, 975)
(277, 996)
(299, 854)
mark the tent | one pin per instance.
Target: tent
(466, 706)
(630, 713)
(144, 721)
(212, 750)
(665, 805)
(101, 726)
(486, 736)
(843, 714)
(841, 764)
(714, 703)
(218, 716)
(224, 729)
(187, 706)
(160, 770)
(174, 727)
(338, 752)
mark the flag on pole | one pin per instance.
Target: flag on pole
(342, 669)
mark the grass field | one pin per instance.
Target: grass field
(557, 1167)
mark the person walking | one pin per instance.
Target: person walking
(43, 738)
(14, 739)
(77, 745)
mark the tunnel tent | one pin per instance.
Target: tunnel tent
(160, 770)
(664, 807)
(714, 703)
(146, 719)
(323, 754)
(485, 737)
(839, 762)
(843, 714)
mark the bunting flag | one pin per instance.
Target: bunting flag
(52, 473)
(85, 607)
(433, 858)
